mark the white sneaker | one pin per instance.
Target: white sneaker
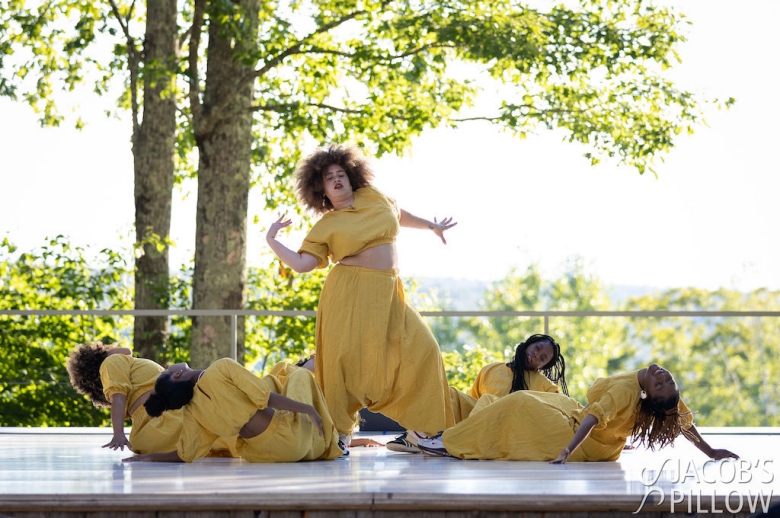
(433, 446)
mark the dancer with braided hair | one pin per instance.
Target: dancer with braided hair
(538, 364)
(539, 426)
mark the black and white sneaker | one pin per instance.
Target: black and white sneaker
(344, 449)
(403, 443)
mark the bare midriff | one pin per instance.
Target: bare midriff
(380, 257)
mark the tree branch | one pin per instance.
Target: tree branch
(296, 49)
(220, 111)
(192, 64)
(283, 106)
(133, 59)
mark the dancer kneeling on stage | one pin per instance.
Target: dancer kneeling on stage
(275, 422)
(541, 426)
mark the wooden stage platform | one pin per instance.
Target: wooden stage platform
(64, 473)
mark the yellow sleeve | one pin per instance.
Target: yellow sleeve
(195, 441)
(316, 243)
(115, 375)
(318, 250)
(686, 415)
(608, 403)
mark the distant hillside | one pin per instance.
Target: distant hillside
(466, 294)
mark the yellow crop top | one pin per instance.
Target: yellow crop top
(372, 220)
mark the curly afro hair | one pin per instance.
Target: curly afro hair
(83, 367)
(308, 176)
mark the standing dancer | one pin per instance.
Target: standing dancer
(373, 349)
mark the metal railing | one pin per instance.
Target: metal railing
(235, 313)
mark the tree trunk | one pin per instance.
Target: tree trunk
(224, 174)
(153, 152)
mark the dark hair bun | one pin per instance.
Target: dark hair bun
(155, 405)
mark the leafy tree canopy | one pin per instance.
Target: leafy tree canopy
(376, 72)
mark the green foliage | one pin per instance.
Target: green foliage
(34, 385)
(378, 73)
(462, 367)
(592, 347)
(715, 359)
(272, 339)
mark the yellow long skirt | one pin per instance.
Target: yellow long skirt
(525, 425)
(375, 351)
(462, 404)
(291, 436)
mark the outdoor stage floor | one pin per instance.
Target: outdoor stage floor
(51, 471)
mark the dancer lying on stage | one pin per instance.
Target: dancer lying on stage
(537, 365)
(540, 426)
(111, 377)
(275, 422)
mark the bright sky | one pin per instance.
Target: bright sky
(709, 220)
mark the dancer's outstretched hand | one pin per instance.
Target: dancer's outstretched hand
(440, 226)
(277, 225)
(562, 457)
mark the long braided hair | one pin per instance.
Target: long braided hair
(555, 369)
(657, 422)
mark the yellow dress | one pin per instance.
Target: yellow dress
(227, 395)
(373, 348)
(133, 377)
(496, 378)
(536, 426)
